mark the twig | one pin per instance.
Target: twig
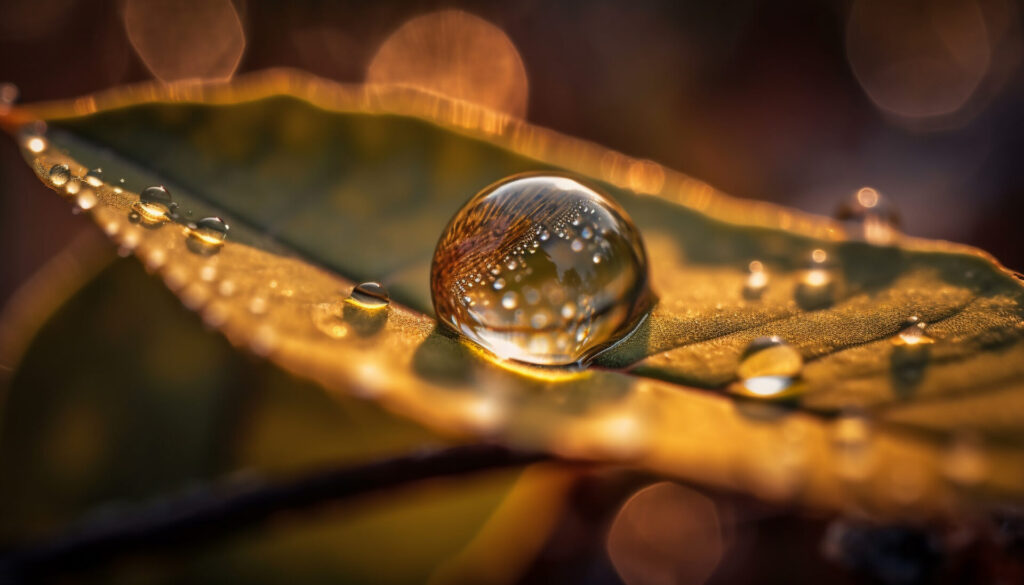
(224, 508)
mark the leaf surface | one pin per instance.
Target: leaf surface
(326, 186)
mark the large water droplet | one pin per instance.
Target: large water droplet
(370, 295)
(59, 174)
(533, 228)
(207, 235)
(768, 367)
(869, 216)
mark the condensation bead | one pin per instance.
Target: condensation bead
(541, 269)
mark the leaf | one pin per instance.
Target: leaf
(151, 406)
(327, 185)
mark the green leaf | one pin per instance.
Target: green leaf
(326, 185)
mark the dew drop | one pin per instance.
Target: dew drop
(86, 199)
(207, 235)
(816, 288)
(94, 177)
(499, 284)
(370, 295)
(757, 281)
(154, 207)
(511, 224)
(768, 367)
(912, 332)
(59, 174)
(869, 216)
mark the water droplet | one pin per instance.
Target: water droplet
(370, 295)
(912, 332)
(59, 174)
(154, 207)
(816, 288)
(94, 177)
(870, 216)
(757, 281)
(72, 187)
(495, 227)
(207, 235)
(499, 284)
(86, 199)
(768, 367)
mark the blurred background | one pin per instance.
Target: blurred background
(797, 102)
(800, 102)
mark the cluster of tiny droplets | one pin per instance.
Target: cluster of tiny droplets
(579, 226)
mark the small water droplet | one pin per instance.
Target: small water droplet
(94, 177)
(154, 206)
(86, 199)
(768, 367)
(499, 284)
(816, 288)
(370, 295)
(207, 235)
(870, 216)
(912, 332)
(511, 224)
(59, 174)
(757, 281)
(72, 187)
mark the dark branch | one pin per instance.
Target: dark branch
(223, 508)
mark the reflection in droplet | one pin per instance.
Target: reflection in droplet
(768, 367)
(59, 174)
(154, 207)
(527, 319)
(869, 216)
(757, 281)
(370, 295)
(207, 235)
(666, 534)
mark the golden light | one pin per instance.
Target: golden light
(35, 144)
(867, 197)
(817, 278)
(819, 256)
(186, 40)
(454, 53)
(666, 534)
(918, 59)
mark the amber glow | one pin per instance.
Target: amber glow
(455, 54)
(867, 197)
(187, 40)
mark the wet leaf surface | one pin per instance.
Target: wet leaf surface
(331, 185)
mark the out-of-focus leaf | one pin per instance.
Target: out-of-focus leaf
(327, 185)
(149, 405)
